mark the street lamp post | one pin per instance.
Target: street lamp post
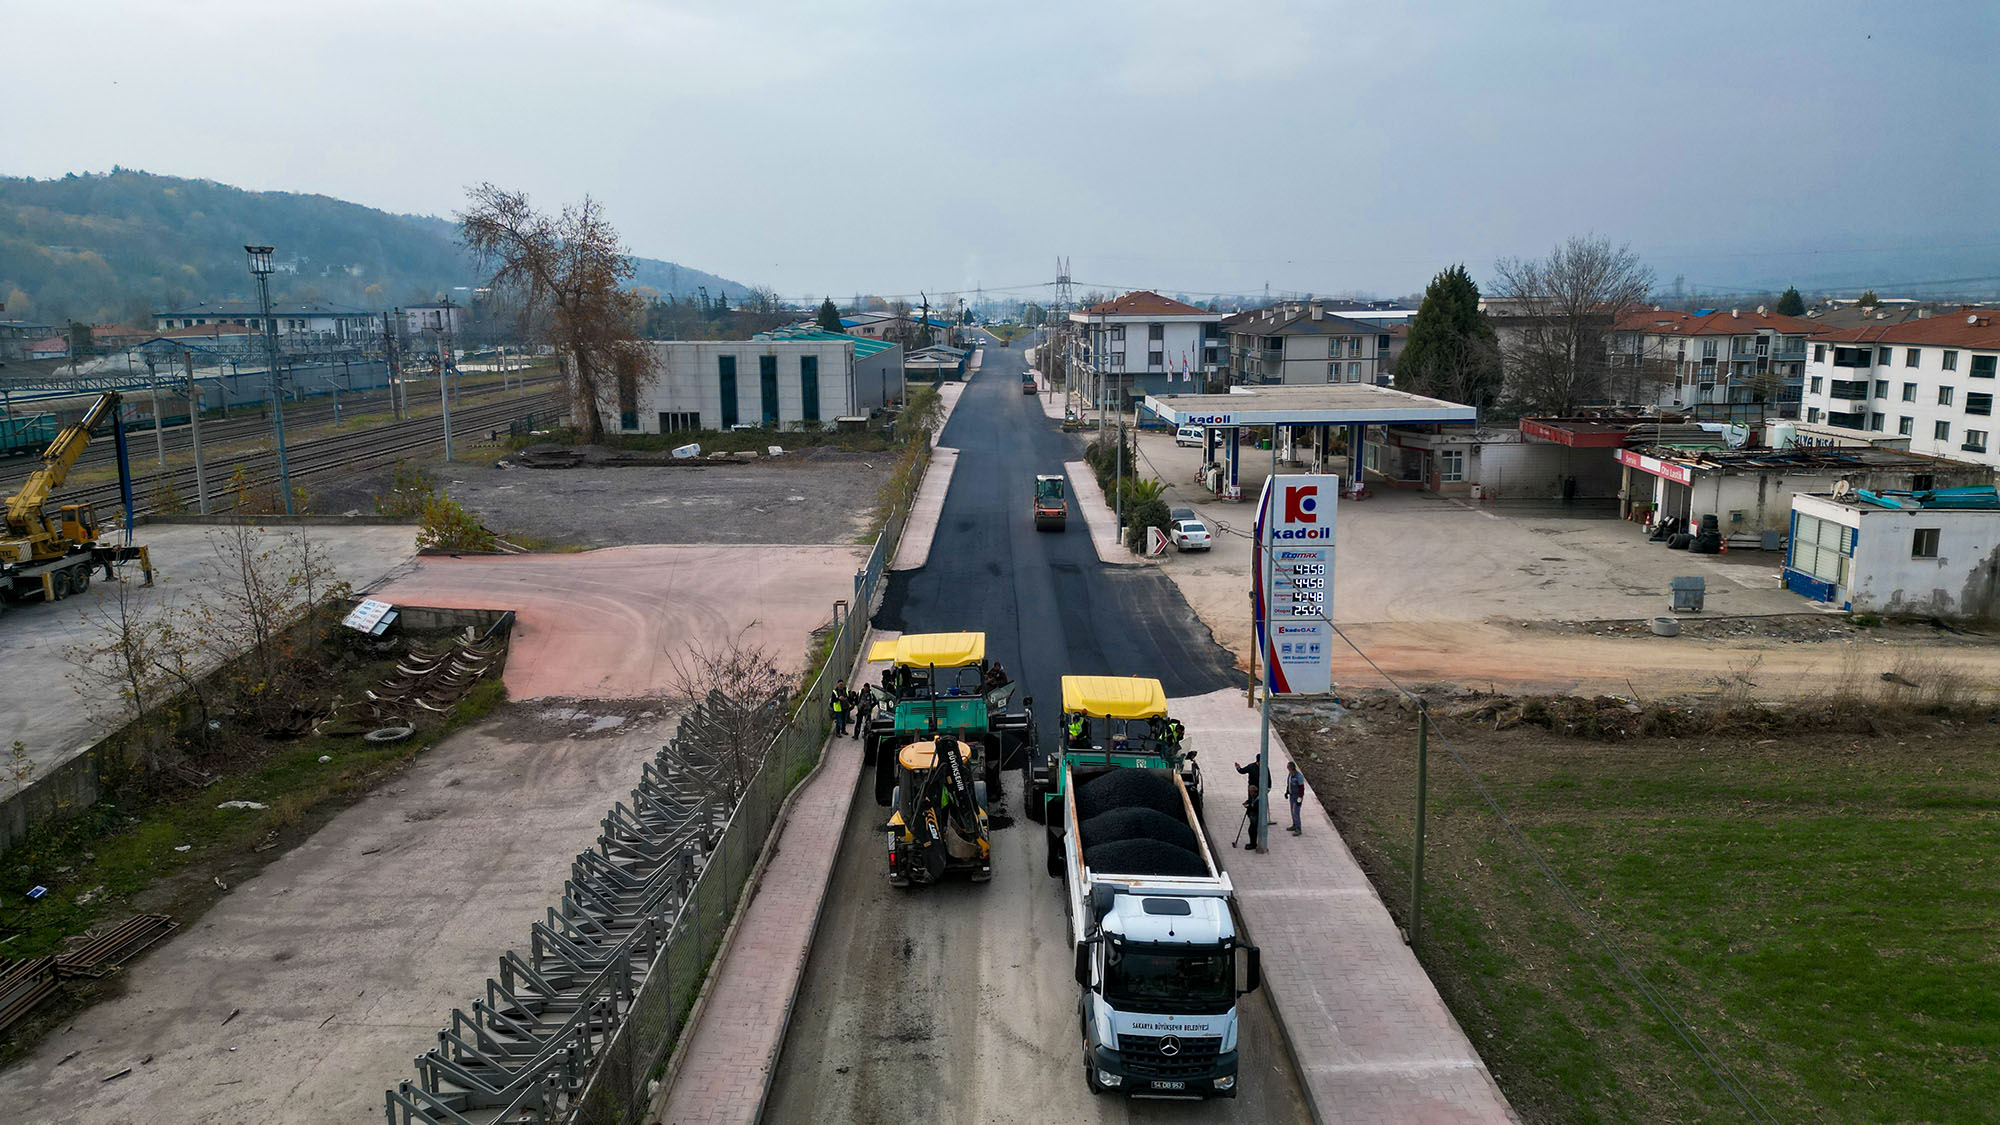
(260, 268)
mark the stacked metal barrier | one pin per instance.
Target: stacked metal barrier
(525, 1050)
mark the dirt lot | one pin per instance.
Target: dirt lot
(818, 496)
(1808, 889)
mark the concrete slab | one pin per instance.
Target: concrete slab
(915, 548)
(39, 699)
(1373, 1039)
(724, 1069)
(602, 624)
(347, 954)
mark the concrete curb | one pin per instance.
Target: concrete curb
(1098, 517)
(752, 883)
(926, 510)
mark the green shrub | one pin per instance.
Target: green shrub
(1140, 516)
(448, 527)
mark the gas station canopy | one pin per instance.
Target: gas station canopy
(1332, 404)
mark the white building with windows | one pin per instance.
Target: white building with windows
(304, 323)
(1144, 344)
(801, 382)
(1926, 385)
(1903, 554)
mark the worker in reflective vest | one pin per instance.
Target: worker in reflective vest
(839, 705)
(1079, 731)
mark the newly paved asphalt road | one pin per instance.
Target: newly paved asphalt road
(955, 1003)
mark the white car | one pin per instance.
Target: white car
(1188, 435)
(1189, 535)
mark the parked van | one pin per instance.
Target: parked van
(1188, 435)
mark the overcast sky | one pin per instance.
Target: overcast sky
(1182, 146)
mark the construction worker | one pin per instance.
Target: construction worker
(839, 705)
(864, 708)
(1079, 732)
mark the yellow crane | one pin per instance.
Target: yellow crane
(54, 557)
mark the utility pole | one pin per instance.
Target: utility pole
(260, 268)
(194, 432)
(1423, 793)
(159, 435)
(392, 368)
(444, 393)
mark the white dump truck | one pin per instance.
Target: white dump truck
(1154, 938)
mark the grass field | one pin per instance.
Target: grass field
(1819, 907)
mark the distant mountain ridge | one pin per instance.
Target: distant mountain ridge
(113, 247)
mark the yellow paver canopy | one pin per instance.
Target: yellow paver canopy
(931, 650)
(1115, 697)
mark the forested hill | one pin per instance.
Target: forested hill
(114, 247)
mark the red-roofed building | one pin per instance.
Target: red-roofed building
(1143, 344)
(1729, 365)
(1924, 385)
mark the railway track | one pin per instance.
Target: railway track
(361, 449)
(255, 423)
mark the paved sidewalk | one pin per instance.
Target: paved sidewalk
(915, 549)
(724, 1070)
(1373, 1040)
(1098, 517)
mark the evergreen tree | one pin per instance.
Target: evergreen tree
(1869, 300)
(829, 316)
(1791, 304)
(1453, 353)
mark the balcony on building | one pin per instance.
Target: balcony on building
(1852, 390)
(1856, 421)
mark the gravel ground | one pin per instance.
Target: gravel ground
(816, 497)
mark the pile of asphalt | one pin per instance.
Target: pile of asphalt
(1143, 857)
(1119, 825)
(1126, 788)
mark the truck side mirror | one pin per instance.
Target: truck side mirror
(1250, 969)
(1083, 963)
(1027, 701)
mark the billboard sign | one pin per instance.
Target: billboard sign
(1292, 582)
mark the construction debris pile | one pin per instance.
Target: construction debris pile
(424, 681)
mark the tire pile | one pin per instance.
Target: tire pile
(1133, 823)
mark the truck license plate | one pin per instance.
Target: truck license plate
(1169, 1085)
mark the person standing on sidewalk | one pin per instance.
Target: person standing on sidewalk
(839, 706)
(864, 709)
(1260, 782)
(1295, 792)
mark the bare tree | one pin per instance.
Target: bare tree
(1561, 309)
(572, 265)
(140, 659)
(738, 692)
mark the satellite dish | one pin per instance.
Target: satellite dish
(1843, 490)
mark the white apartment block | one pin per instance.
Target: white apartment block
(1144, 344)
(1924, 385)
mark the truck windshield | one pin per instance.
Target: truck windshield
(1048, 490)
(1169, 978)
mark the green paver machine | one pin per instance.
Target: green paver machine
(942, 684)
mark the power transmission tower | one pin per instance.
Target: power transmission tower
(1064, 290)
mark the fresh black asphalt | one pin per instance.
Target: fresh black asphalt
(1047, 606)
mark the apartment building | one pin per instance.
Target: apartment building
(1143, 344)
(1300, 342)
(315, 322)
(1714, 365)
(1927, 385)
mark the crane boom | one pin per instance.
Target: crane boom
(26, 505)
